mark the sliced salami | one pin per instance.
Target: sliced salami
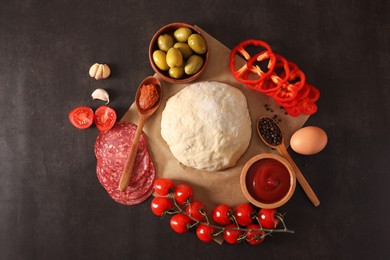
(111, 150)
(113, 146)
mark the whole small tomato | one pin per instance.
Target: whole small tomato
(183, 194)
(254, 235)
(205, 233)
(180, 223)
(163, 186)
(244, 214)
(268, 219)
(160, 205)
(222, 214)
(195, 209)
(232, 235)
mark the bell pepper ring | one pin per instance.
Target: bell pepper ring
(254, 75)
(302, 94)
(270, 85)
(289, 90)
(242, 73)
(305, 102)
(314, 94)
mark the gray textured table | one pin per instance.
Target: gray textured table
(53, 207)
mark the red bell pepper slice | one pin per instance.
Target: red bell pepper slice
(305, 102)
(294, 110)
(289, 90)
(277, 78)
(254, 75)
(245, 73)
(314, 94)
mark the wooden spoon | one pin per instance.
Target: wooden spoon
(143, 115)
(277, 142)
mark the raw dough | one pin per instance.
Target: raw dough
(207, 125)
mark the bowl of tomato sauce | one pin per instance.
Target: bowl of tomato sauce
(267, 180)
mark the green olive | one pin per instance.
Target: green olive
(176, 72)
(174, 58)
(182, 34)
(197, 43)
(184, 49)
(165, 42)
(193, 64)
(159, 58)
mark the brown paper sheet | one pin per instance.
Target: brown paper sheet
(222, 187)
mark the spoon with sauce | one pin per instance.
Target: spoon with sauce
(269, 131)
(147, 100)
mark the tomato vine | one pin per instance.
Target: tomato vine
(243, 223)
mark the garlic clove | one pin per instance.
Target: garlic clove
(101, 94)
(106, 71)
(93, 70)
(99, 72)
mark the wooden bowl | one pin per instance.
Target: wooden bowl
(256, 167)
(170, 29)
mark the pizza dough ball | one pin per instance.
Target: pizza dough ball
(207, 125)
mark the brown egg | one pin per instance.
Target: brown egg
(308, 140)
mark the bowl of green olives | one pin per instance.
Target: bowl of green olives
(178, 53)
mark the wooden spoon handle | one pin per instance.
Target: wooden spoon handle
(129, 165)
(301, 179)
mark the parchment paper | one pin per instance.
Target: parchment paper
(213, 188)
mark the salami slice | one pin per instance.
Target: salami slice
(111, 150)
(113, 146)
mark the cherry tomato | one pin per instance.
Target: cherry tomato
(163, 186)
(180, 223)
(183, 193)
(205, 233)
(195, 209)
(81, 117)
(267, 218)
(222, 215)
(254, 237)
(160, 205)
(105, 118)
(231, 235)
(244, 214)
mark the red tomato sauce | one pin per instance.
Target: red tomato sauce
(149, 96)
(268, 180)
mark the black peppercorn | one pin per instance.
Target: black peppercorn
(270, 131)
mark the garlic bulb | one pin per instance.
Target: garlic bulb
(99, 71)
(101, 94)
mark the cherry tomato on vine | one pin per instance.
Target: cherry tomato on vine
(231, 235)
(222, 215)
(268, 219)
(254, 237)
(183, 193)
(195, 209)
(163, 186)
(205, 233)
(180, 223)
(244, 214)
(160, 205)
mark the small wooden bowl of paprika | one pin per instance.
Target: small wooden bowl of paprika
(164, 55)
(267, 181)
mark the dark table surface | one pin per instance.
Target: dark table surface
(51, 203)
